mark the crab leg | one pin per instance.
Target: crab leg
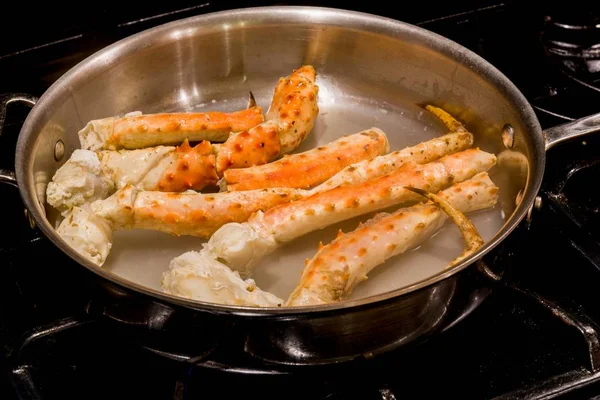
(136, 130)
(334, 271)
(294, 107)
(289, 120)
(242, 245)
(162, 168)
(88, 176)
(458, 139)
(186, 213)
(305, 170)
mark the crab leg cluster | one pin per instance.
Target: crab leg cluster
(331, 275)
(219, 216)
(458, 139)
(336, 269)
(142, 172)
(116, 151)
(242, 245)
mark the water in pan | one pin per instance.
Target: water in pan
(142, 256)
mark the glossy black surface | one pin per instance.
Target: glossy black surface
(59, 342)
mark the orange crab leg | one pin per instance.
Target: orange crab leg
(308, 169)
(136, 130)
(186, 213)
(289, 120)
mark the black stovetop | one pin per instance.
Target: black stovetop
(534, 337)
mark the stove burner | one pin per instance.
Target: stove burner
(383, 378)
(583, 205)
(572, 39)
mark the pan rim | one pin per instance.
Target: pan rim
(307, 15)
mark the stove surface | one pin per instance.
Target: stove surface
(533, 337)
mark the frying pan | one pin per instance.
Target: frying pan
(372, 71)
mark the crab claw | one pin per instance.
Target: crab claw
(471, 236)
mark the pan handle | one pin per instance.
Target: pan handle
(571, 130)
(6, 176)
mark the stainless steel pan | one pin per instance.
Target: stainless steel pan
(372, 71)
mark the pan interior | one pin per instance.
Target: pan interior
(371, 73)
(144, 256)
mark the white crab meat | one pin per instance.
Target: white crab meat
(79, 181)
(194, 275)
(88, 234)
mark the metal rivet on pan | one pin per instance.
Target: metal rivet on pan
(529, 214)
(537, 203)
(59, 150)
(519, 198)
(29, 218)
(508, 136)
